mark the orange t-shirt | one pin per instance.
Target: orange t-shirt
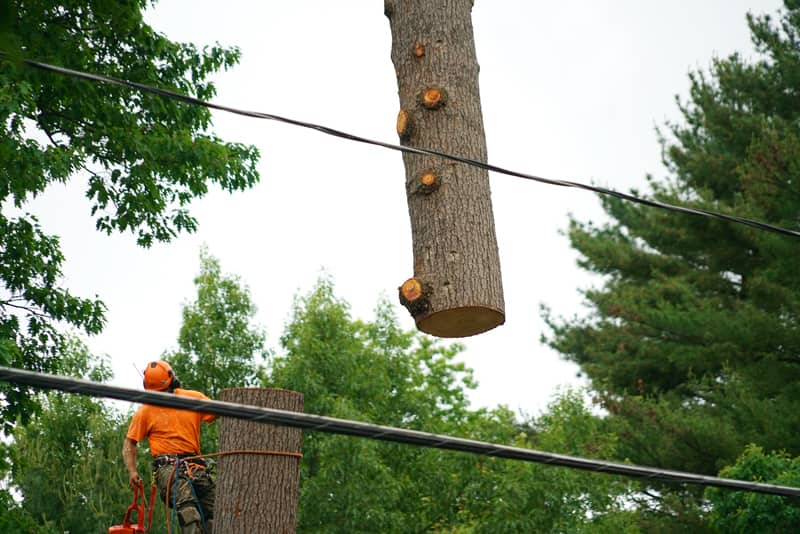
(169, 430)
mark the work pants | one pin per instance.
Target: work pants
(192, 488)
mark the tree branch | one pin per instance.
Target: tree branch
(25, 308)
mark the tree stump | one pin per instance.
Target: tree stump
(255, 492)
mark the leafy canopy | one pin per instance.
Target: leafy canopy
(374, 371)
(142, 159)
(219, 346)
(740, 512)
(65, 463)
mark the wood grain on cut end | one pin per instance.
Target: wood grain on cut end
(433, 97)
(403, 124)
(461, 322)
(411, 289)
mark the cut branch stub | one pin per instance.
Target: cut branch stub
(414, 295)
(404, 125)
(411, 289)
(428, 183)
(432, 97)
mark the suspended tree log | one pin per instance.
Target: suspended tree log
(456, 290)
(258, 492)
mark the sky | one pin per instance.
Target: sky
(570, 90)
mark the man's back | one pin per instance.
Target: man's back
(169, 430)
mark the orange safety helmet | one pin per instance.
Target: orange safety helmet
(158, 376)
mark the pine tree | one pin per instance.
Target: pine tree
(693, 342)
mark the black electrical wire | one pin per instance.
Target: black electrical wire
(378, 432)
(407, 149)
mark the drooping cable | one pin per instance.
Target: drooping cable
(378, 432)
(401, 148)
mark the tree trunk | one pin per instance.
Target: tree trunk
(255, 492)
(457, 289)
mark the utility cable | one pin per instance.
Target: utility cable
(401, 148)
(378, 432)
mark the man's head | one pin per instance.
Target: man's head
(159, 376)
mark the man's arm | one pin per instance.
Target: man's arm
(129, 456)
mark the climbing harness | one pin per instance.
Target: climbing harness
(182, 466)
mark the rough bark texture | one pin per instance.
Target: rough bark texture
(456, 260)
(258, 493)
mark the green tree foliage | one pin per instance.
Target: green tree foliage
(143, 158)
(14, 519)
(218, 345)
(66, 466)
(373, 371)
(741, 513)
(692, 342)
(514, 497)
(66, 461)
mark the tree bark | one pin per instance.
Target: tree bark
(456, 290)
(258, 493)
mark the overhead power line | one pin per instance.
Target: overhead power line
(411, 150)
(378, 432)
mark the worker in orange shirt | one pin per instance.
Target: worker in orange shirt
(173, 434)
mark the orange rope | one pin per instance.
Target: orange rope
(225, 453)
(188, 459)
(166, 505)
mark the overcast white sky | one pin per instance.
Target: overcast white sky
(570, 90)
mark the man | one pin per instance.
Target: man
(173, 434)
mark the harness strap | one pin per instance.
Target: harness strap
(187, 465)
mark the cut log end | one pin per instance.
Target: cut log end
(460, 322)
